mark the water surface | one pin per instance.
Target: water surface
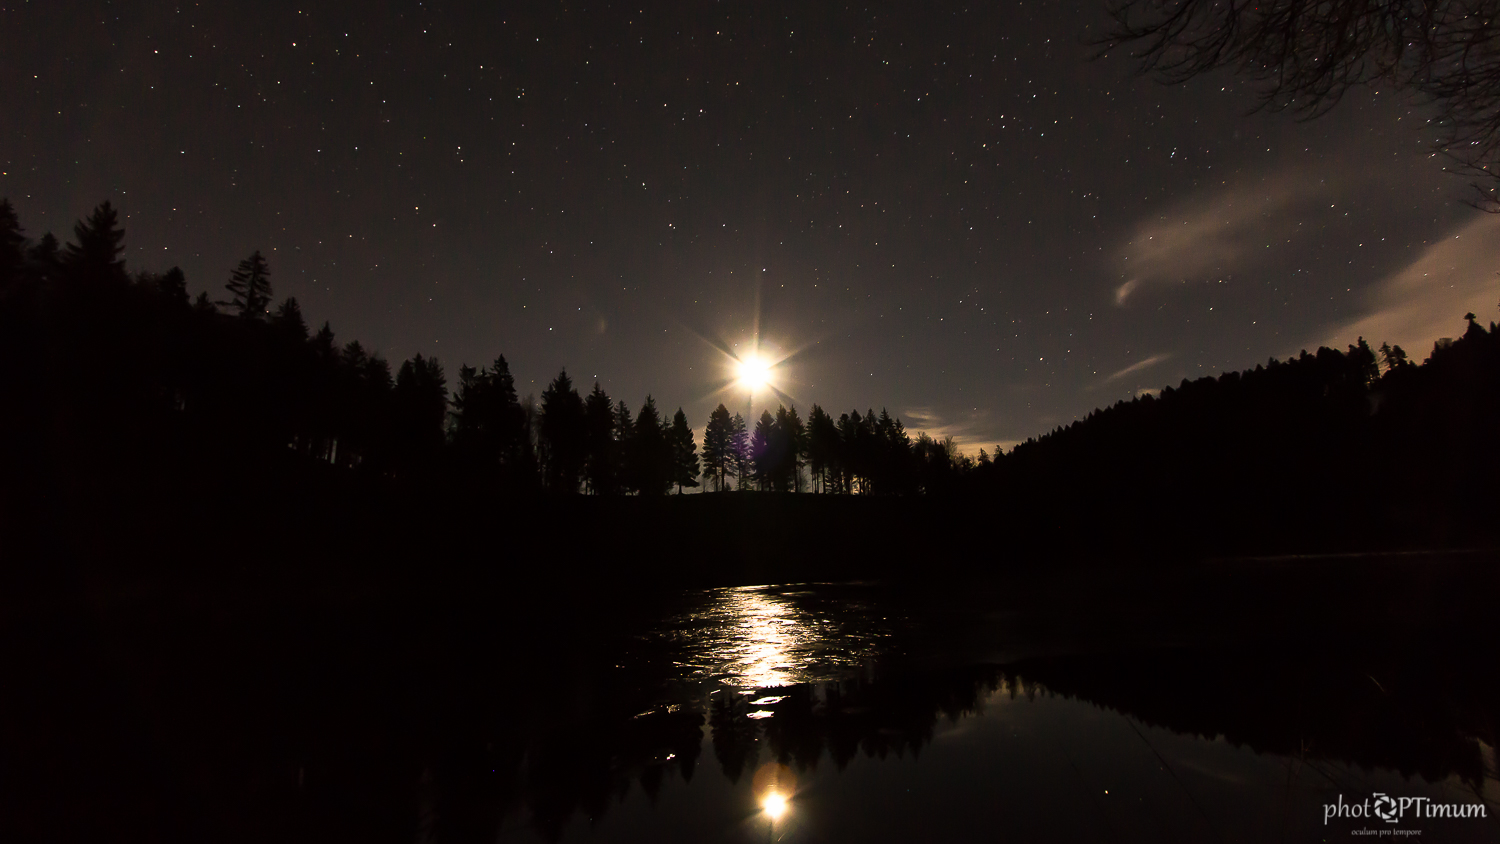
(814, 723)
(1091, 709)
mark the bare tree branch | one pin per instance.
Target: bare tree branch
(1307, 54)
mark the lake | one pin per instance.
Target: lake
(806, 712)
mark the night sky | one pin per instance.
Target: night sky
(945, 210)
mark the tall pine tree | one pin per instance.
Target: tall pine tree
(563, 438)
(650, 463)
(420, 404)
(599, 429)
(94, 257)
(763, 452)
(249, 287)
(12, 247)
(793, 436)
(287, 320)
(718, 448)
(684, 452)
(822, 446)
(619, 455)
(739, 438)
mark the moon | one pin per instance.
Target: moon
(753, 372)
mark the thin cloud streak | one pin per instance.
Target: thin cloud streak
(1138, 366)
(1426, 300)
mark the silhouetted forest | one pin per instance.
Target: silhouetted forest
(104, 360)
(1328, 450)
(121, 386)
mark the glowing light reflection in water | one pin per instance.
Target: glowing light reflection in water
(760, 637)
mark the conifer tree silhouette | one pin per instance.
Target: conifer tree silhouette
(822, 446)
(95, 256)
(763, 452)
(288, 321)
(564, 447)
(505, 425)
(12, 247)
(249, 287)
(420, 405)
(489, 428)
(684, 452)
(739, 438)
(351, 404)
(650, 466)
(45, 258)
(623, 435)
(599, 430)
(1364, 362)
(792, 448)
(855, 452)
(171, 286)
(718, 448)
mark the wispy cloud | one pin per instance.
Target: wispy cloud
(1218, 233)
(1137, 367)
(970, 433)
(1427, 299)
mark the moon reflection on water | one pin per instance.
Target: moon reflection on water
(758, 637)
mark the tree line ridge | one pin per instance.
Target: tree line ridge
(98, 358)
